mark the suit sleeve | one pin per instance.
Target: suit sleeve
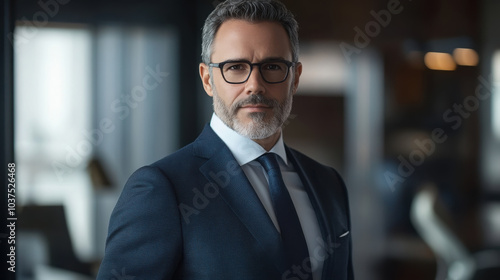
(144, 236)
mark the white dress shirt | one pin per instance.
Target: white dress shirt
(246, 151)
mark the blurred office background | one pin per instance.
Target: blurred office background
(401, 97)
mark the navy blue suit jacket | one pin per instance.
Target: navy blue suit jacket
(194, 215)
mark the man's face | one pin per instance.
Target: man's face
(255, 109)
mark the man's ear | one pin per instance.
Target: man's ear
(297, 73)
(205, 78)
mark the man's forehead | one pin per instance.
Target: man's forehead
(266, 38)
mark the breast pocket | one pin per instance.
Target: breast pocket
(341, 255)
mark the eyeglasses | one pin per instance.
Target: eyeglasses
(238, 72)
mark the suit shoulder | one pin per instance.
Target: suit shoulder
(181, 164)
(173, 159)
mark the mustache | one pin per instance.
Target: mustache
(256, 99)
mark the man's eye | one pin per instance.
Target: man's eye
(236, 67)
(272, 67)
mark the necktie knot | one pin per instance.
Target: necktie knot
(269, 162)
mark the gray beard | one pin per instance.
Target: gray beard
(259, 128)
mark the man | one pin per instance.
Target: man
(236, 203)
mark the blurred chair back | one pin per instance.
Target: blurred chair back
(50, 222)
(454, 261)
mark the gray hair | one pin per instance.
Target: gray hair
(253, 11)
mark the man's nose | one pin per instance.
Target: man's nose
(255, 83)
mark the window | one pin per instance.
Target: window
(107, 93)
(52, 108)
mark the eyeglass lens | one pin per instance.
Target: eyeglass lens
(237, 72)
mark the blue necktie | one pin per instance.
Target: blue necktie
(288, 221)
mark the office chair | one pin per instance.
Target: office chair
(50, 222)
(454, 262)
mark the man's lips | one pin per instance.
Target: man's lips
(256, 106)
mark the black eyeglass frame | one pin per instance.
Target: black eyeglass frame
(220, 65)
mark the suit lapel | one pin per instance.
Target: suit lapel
(222, 169)
(314, 187)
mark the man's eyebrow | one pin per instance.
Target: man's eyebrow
(271, 58)
(236, 60)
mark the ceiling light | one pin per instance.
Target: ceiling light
(465, 57)
(439, 61)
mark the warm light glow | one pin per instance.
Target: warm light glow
(465, 57)
(439, 61)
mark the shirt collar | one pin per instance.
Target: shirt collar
(243, 148)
